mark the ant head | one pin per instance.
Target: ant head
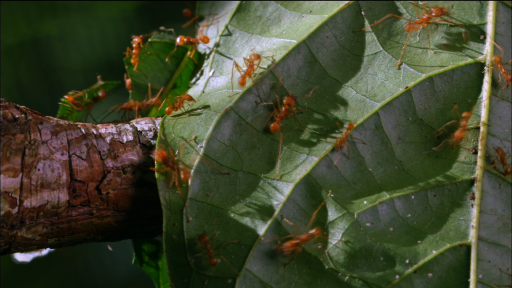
(290, 101)
(275, 127)
(102, 93)
(161, 156)
(69, 98)
(187, 97)
(496, 59)
(180, 41)
(205, 39)
(185, 175)
(187, 13)
(213, 261)
(350, 126)
(316, 231)
(168, 110)
(254, 57)
(137, 39)
(439, 11)
(203, 238)
(466, 115)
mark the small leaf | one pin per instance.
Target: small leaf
(84, 100)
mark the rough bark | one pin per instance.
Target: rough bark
(67, 183)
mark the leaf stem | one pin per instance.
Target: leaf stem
(482, 143)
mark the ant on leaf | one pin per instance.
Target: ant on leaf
(498, 65)
(459, 134)
(207, 244)
(342, 140)
(193, 42)
(296, 244)
(283, 111)
(427, 14)
(252, 64)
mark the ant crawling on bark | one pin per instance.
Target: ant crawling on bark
(420, 22)
(297, 242)
(284, 111)
(193, 42)
(498, 65)
(207, 244)
(459, 134)
(342, 140)
(252, 64)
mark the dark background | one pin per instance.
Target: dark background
(48, 49)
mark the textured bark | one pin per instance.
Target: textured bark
(67, 183)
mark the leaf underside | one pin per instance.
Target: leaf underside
(402, 209)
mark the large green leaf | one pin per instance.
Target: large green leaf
(403, 209)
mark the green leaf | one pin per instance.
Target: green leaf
(85, 101)
(163, 69)
(149, 255)
(402, 209)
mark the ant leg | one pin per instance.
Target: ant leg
(160, 170)
(416, 9)
(445, 125)
(339, 156)
(297, 230)
(227, 263)
(300, 124)
(358, 139)
(429, 45)
(239, 69)
(194, 19)
(384, 18)
(279, 155)
(403, 49)
(223, 243)
(191, 54)
(442, 144)
(318, 209)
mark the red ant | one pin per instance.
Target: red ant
(137, 45)
(282, 112)
(171, 165)
(207, 244)
(501, 67)
(502, 157)
(342, 140)
(179, 103)
(137, 106)
(193, 42)
(420, 22)
(79, 100)
(460, 133)
(252, 64)
(296, 244)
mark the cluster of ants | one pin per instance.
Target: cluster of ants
(285, 109)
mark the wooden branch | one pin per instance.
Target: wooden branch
(65, 183)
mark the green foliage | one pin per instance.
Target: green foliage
(172, 72)
(403, 210)
(85, 101)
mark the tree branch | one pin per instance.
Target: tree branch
(67, 183)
